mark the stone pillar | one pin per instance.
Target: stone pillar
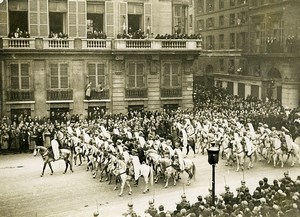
(290, 94)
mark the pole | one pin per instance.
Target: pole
(213, 184)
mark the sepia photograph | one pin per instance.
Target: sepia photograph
(150, 108)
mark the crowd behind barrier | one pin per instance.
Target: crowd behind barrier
(278, 199)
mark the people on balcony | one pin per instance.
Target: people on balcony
(58, 35)
(18, 33)
(96, 34)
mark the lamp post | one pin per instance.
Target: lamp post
(213, 158)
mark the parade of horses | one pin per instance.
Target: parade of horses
(160, 147)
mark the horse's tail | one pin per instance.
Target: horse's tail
(151, 175)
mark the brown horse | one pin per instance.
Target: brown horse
(47, 155)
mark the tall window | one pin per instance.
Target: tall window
(221, 41)
(232, 41)
(59, 76)
(221, 65)
(221, 4)
(180, 19)
(221, 20)
(171, 75)
(19, 76)
(136, 75)
(97, 75)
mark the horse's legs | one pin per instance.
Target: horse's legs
(237, 163)
(71, 167)
(123, 181)
(146, 184)
(128, 184)
(43, 169)
(50, 168)
(67, 164)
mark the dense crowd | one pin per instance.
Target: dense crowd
(280, 198)
(58, 35)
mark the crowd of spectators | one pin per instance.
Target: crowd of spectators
(19, 34)
(280, 198)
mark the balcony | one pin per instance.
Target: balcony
(157, 44)
(99, 95)
(59, 94)
(96, 44)
(57, 43)
(171, 92)
(136, 93)
(102, 44)
(18, 43)
(20, 95)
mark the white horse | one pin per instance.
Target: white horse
(295, 150)
(276, 152)
(239, 154)
(120, 172)
(137, 170)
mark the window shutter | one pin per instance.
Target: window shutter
(81, 19)
(38, 18)
(72, 13)
(148, 18)
(109, 19)
(44, 30)
(123, 25)
(3, 19)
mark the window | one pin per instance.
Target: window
(232, 41)
(221, 4)
(171, 75)
(210, 4)
(180, 19)
(221, 41)
(221, 64)
(210, 22)
(18, 16)
(200, 24)
(221, 20)
(97, 75)
(210, 42)
(232, 3)
(231, 66)
(232, 19)
(59, 76)
(19, 76)
(191, 21)
(57, 22)
(136, 75)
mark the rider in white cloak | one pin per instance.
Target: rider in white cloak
(136, 166)
(178, 154)
(55, 148)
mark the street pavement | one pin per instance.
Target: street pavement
(24, 193)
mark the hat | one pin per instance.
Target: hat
(199, 197)
(243, 182)
(130, 205)
(183, 196)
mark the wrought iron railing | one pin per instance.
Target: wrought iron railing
(136, 93)
(171, 92)
(20, 95)
(59, 94)
(99, 94)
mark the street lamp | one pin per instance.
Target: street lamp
(213, 158)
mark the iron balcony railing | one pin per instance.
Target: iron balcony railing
(99, 95)
(20, 95)
(171, 92)
(136, 93)
(59, 94)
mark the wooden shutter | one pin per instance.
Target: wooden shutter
(72, 13)
(34, 17)
(77, 18)
(109, 19)
(38, 17)
(3, 19)
(81, 25)
(148, 18)
(123, 25)
(44, 30)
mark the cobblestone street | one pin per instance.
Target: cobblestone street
(25, 193)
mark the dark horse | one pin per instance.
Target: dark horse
(47, 155)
